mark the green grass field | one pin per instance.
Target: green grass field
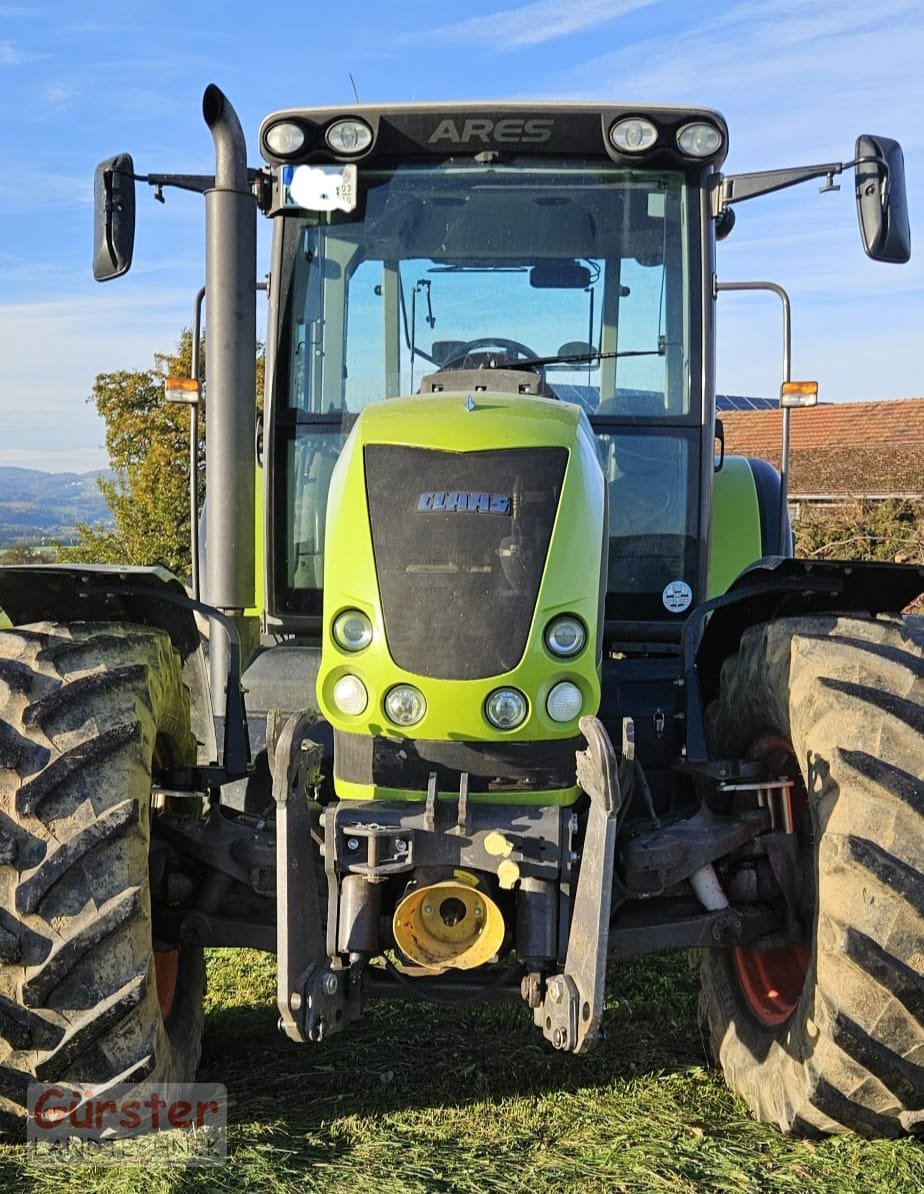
(416, 1098)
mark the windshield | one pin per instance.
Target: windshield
(441, 269)
(450, 266)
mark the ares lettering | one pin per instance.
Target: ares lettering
(509, 131)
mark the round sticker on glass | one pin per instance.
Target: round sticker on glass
(677, 596)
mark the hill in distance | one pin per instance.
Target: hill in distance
(36, 506)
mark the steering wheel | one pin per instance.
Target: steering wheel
(478, 351)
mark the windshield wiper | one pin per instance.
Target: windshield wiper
(580, 358)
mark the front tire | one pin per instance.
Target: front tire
(835, 1042)
(88, 714)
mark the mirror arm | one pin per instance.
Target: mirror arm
(735, 188)
(185, 182)
(260, 181)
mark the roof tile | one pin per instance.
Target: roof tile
(848, 448)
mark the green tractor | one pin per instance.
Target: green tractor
(533, 680)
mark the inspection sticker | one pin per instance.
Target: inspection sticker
(677, 596)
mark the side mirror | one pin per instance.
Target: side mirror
(113, 217)
(882, 207)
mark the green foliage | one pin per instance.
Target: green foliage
(890, 530)
(23, 553)
(147, 438)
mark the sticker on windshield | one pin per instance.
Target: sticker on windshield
(677, 596)
(320, 188)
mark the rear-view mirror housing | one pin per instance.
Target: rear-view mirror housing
(559, 275)
(113, 217)
(882, 206)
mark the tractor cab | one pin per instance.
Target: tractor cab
(546, 254)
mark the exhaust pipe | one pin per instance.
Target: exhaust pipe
(230, 284)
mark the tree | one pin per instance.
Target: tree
(147, 438)
(22, 553)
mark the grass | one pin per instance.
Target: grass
(415, 1099)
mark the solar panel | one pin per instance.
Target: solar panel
(741, 402)
(638, 401)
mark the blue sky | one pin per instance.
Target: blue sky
(797, 81)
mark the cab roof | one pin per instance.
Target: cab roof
(450, 129)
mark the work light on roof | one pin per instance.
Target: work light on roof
(634, 135)
(285, 138)
(349, 136)
(699, 140)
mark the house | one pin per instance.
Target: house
(839, 450)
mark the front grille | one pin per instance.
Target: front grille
(460, 542)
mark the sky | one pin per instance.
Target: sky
(797, 81)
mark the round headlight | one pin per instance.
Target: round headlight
(352, 630)
(565, 636)
(349, 136)
(405, 705)
(699, 140)
(350, 695)
(564, 702)
(634, 135)
(506, 708)
(285, 138)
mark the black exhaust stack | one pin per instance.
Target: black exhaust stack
(230, 283)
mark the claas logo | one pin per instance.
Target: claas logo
(454, 502)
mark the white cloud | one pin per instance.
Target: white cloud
(21, 189)
(797, 81)
(61, 345)
(59, 96)
(534, 23)
(55, 460)
(796, 70)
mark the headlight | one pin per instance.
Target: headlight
(565, 636)
(350, 695)
(349, 136)
(285, 138)
(352, 630)
(405, 705)
(699, 140)
(564, 702)
(506, 708)
(634, 135)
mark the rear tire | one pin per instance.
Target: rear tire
(88, 714)
(843, 1049)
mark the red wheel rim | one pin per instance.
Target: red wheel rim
(771, 980)
(166, 966)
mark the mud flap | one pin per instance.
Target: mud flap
(571, 1012)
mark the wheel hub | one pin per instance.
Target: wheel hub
(771, 980)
